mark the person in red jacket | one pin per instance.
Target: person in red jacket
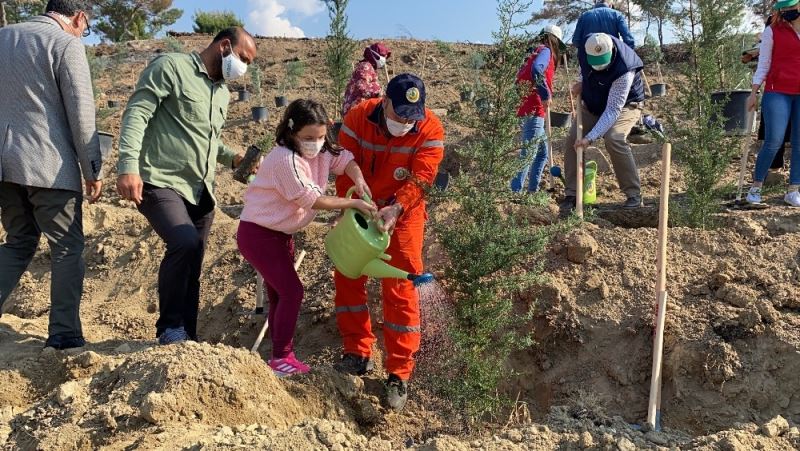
(535, 78)
(779, 71)
(398, 144)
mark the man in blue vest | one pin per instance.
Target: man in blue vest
(613, 95)
(603, 18)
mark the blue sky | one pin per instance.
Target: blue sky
(448, 20)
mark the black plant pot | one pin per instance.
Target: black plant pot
(734, 111)
(467, 96)
(244, 95)
(113, 103)
(560, 120)
(281, 101)
(483, 105)
(260, 114)
(658, 90)
(442, 180)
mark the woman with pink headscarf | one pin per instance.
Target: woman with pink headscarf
(364, 83)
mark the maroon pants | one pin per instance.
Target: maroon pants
(272, 254)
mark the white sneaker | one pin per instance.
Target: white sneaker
(792, 198)
(754, 195)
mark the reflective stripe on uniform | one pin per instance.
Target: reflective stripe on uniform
(399, 328)
(403, 149)
(365, 144)
(370, 146)
(349, 132)
(433, 144)
(351, 308)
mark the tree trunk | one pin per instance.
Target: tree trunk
(3, 20)
(661, 33)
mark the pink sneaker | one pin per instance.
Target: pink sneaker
(288, 366)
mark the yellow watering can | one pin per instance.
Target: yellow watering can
(357, 248)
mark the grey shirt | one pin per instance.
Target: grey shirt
(48, 132)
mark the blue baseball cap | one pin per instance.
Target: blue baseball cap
(407, 93)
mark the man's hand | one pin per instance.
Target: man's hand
(94, 190)
(582, 143)
(576, 89)
(129, 187)
(546, 103)
(389, 216)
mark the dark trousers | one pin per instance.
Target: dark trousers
(27, 213)
(184, 227)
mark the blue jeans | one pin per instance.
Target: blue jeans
(779, 110)
(533, 136)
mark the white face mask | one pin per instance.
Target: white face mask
(233, 67)
(398, 129)
(380, 60)
(310, 149)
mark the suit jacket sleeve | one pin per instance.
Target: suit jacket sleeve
(75, 87)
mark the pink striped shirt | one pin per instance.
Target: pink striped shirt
(287, 185)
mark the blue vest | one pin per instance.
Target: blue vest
(597, 84)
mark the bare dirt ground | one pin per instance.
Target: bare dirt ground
(732, 351)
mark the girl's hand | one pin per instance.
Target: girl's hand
(752, 102)
(364, 207)
(362, 189)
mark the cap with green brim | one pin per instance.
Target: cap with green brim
(786, 4)
(599, 48)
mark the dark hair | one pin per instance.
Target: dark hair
(233, 34)
(69, 7)
(300, 113)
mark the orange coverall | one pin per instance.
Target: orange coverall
(397, 169)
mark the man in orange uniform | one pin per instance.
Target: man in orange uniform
(398, 144)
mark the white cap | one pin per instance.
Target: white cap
(599, 48)
(555, 30)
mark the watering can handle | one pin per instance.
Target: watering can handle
(349, 195)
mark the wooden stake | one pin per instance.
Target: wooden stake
(654, 406)
(745, 155)
(579, 162)
(259, 294)
(549, 131)
(263, 331)
(646, 85)
(660, 75)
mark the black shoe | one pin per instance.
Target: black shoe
(567, 206)
(355, 365)
(633, 202)
(60, 342)
(396, 392)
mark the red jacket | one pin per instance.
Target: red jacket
(531, 102)
(784, 73)
(397, 169)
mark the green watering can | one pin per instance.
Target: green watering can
(357, 248)
(589, 185)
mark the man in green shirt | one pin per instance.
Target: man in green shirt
(169, 149)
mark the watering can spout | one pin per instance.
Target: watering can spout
(379, 269)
